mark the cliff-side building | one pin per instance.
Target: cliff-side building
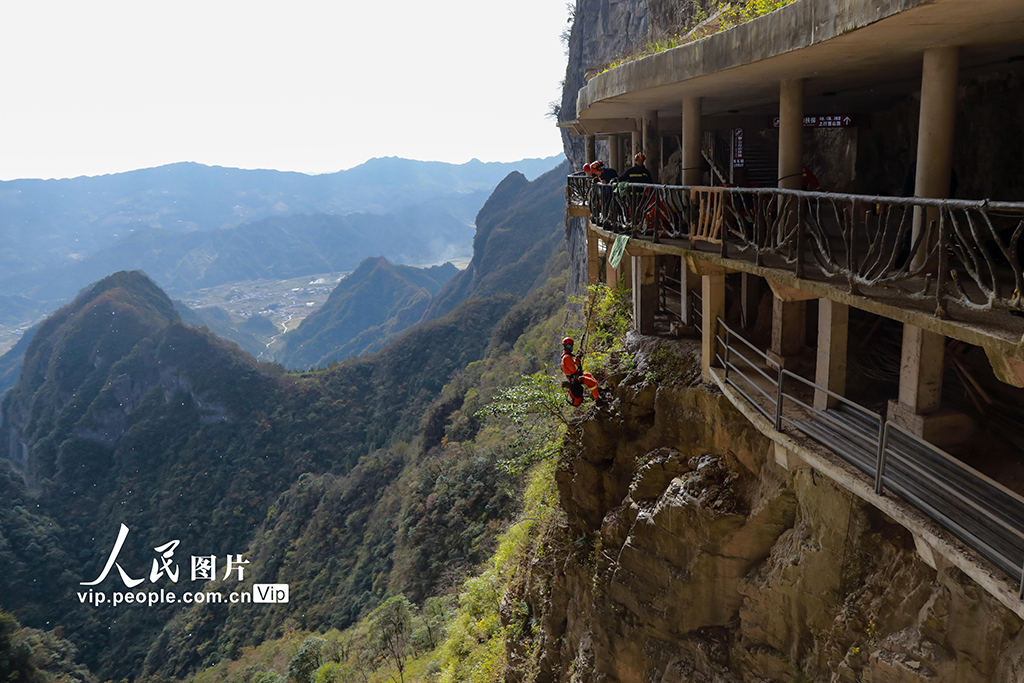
(837, 206)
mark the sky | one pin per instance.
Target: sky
(89, 88)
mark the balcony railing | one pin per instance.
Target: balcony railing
(977, 510)
(964, 251)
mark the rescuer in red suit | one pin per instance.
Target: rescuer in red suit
(576, 378)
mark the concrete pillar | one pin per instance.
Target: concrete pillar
(590, 142)
(652, 144)
(830, 371)
(921, 367)
(593, 258)
(939, 79)
(691, 141)
(919, 407)
(923, 358)
(791, 130)
(637, 140)
(688, 282)
(645, 293)
(713, 295)
(611, 275)
(789, 329)
(615, 152)
(750, 297)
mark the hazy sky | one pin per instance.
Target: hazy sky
(97, 87)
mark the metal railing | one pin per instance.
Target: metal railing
(577, 189)
(978, 511)
(669, 285)
(961, 251)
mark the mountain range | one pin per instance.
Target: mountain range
(125, 414)
(59, 235)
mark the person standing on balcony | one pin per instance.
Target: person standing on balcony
(638, 173)
(604, 173)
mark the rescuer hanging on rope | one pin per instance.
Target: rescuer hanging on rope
(577, 381)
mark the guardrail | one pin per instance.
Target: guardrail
(667, 285)
(965, 251)
(980, 512)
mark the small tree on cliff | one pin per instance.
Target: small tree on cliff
(391, 629)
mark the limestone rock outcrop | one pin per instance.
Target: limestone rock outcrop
(689, 555)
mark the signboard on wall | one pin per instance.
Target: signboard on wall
(831, 121)
(737, 148)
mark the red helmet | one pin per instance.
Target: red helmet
(587, 169)
(567, 341)
(597, 165)
(639, 159)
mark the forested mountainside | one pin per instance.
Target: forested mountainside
(512, 240)
(123, 414)
(370, 306)
(247, 333)
(10, 362)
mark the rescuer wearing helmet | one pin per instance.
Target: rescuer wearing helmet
(603, 173)
(576, 379)
(638, 173)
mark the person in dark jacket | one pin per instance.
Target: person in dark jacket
(605, 174)
(638, 173)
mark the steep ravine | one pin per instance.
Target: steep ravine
(688, 554)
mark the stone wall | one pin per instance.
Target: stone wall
(688, 554)
(601, 31)
(988, 156)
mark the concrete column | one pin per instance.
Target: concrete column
(611, 275)
(939, 79)
(688, 282)
(691, 141)
(921, 367)
(590, 142)
(593, 258)
(830, 371)
(652, 144)
(791, 130)
(750, 297)
(637, 140)
(615, 152)
(645, 293)
(919, 408)
(789, 329)
(923, 358)
(713, 295)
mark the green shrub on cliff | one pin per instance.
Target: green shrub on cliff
(719, 16)
(475, 649)
(607, 317)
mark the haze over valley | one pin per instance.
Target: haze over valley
(196, 229)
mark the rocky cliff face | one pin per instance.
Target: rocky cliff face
(688, 554)
(601, 31)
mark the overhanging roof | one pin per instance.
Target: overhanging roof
(859, 52)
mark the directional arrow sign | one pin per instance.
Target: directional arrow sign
(829, 121)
